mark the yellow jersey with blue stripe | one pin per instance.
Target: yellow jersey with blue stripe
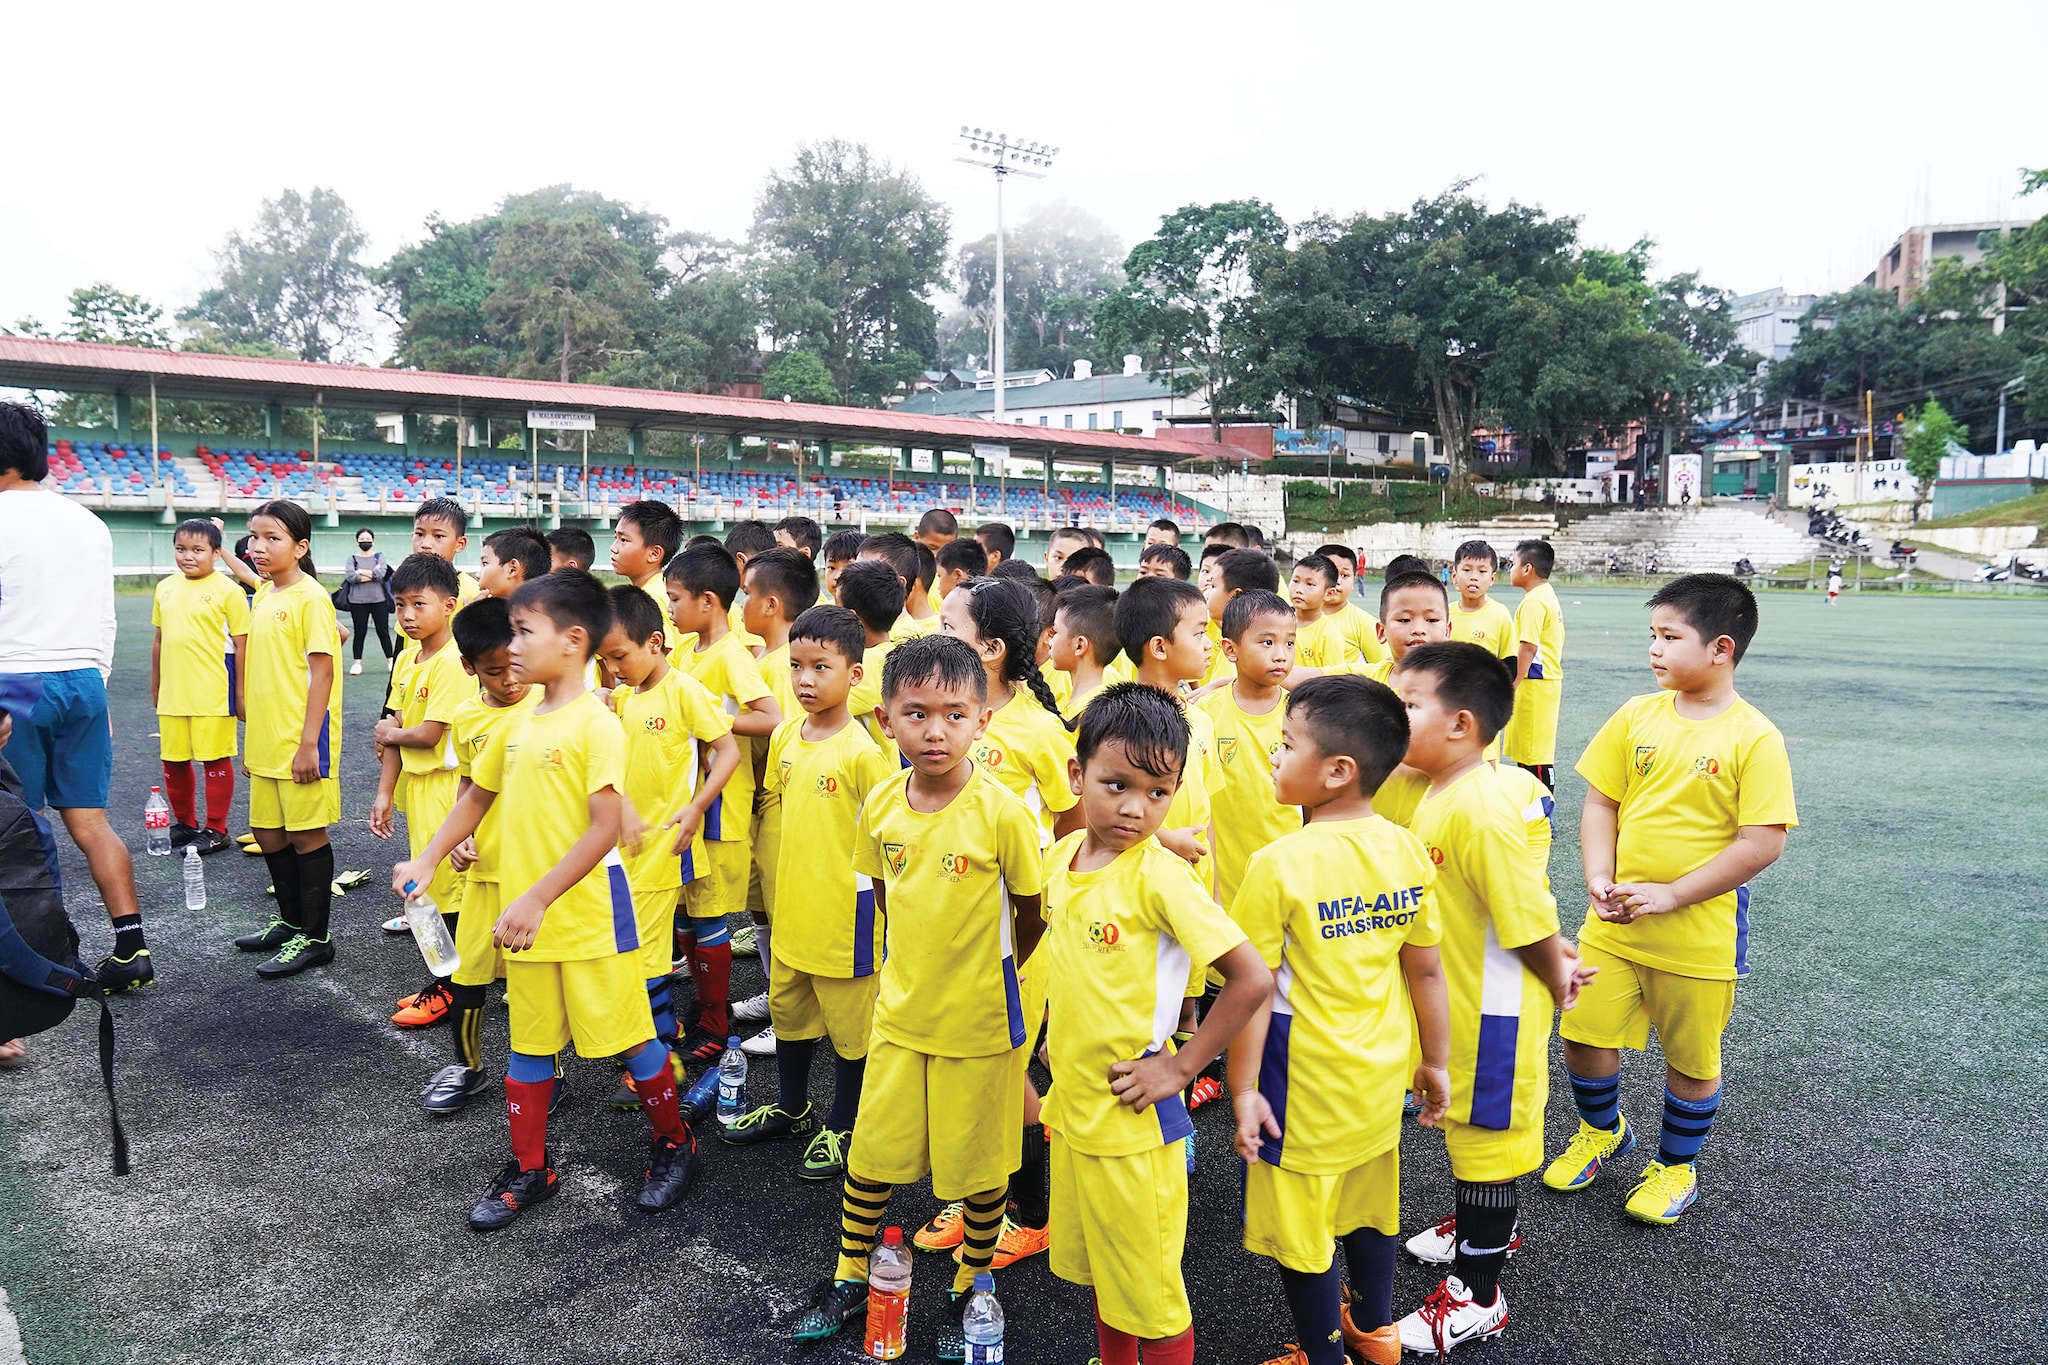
(733, 678)
(1539, 620)
(665, 726)
(199, 619)
(1026, 748)
(825, 920)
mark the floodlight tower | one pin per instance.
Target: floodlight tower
(995, 152)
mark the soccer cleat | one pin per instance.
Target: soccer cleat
(210, 842)
(1290, 1354)
(945, 1232)
(1188, 1143)
(1578, 1165)
(751, 1010)
(396, 925)
(249, 845)
(1449, 1319)
(1205, 1089)
(182, 834)
(511, 1193)
(700, 1048)
(272, 937)
(833, 1305)
(298, 954)
(1438, 1245)
(761, 1044)
(1663, 1193)
(1018, 1242)
(744, 944)
(825, 1158)
(769, 1123)
(1380, 1346)
(131, 973)
(427, 1007)
(452, 1088)
(669, 1167)
(626, 1096)
(951, 1342)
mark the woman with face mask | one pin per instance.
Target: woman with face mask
(367, 584)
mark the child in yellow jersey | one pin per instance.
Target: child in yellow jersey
(1126, 928)
(1340, 911)
(744, 540)
(680, 754)
(956, 562)
(1084, 642)
(1317, 642)
(197, 678)
(1688, 798)
(441, 528)
(1166, 560)
(291, 753)
(874, 594)
(511, 557)
(943, 1093)
(1506, 967)
(419, 740)
(483, 637)
(840, 549)
(825, 970)
(1530, 739)
(1358, 627)
(900, 553)
(1476, 618)
(1160, 624)
(1230, 573)
(646, 539)
(1258, 636)
(573, 940)
(1026, 744)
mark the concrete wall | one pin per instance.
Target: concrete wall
(1979, 542)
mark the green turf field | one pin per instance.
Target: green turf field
(1868, 1195)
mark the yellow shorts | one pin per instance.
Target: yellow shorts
(431, 797)
(1484, 1155)
(802, 1006)
(721, 885)
(1295, 1219)
(767, 848)
(654, 910)
(599, 1003)
(1531, 736)
(186, 739)
(1617, 1007)
(280, 803)
(958, 1119)
(1120, 1224)
(482, 960)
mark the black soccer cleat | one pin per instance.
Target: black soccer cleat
(511, 1193)
(182, 834)
(669, 1168)
(769, 1123)
(700, 1048)
(131, 973)
(833, 1305)
(211, 841)
(272, 937)
(297, 955)
(452, 1088)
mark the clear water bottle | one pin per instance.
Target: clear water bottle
(982, 1323)
(888, 1296)
(702, 1096)
(195, 880)
(430, 931)
(732, 1082)
(156, 818)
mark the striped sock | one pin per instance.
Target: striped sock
(860, 1220)
(465, 1025)
(1686, 1125)
(1598, 1098)
(663, 1009)
(984, 1225)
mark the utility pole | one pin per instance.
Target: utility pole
(995, 152)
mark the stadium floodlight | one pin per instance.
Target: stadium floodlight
(994, 151)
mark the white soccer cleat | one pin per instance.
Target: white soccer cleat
(1449, 1319)
(751, 1010)
(761, 1044)
(1438, 1245)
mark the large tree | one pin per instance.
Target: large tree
(295, 280)
(2017, 265)
(1057, 266)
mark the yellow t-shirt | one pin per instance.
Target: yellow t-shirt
(1248, 816)
(1490, 900)
(1360, 629)
(477, 723)
(865, 697)
(1318, 643)
(287, 626)
(733, 677)
(664, 726)
(545, 767)
(1062, 683)
(1201, 777)
(1026, 748)
(775, 674)
(434, 690)
(467, 589)
(199, 618)
(951, 988)
(1537, 804)
(1400, 796)
(1685, 787)
(401, 675)
(1489, 627)
(1121, 944)
(1539, 620)
(748, 640)
(1329, 907)
(825, 920)
(1219, 666)
(909, 627)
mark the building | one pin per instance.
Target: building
(1903, 269)
(1132, 402)
(1767, 323)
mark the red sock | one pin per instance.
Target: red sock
(178, 787)
(526, 1104)
(1178, 1350)
(1115, 1348)
(711, 964)
(220, 792)
(658, 1101)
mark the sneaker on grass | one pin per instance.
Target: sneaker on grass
(1018, 1242)
(268, 939)
(396, 926)
(669, 1168)
(424, 1007)
(130, 973)
(1438, 1245)
(1578, 1165)
(297, 955)
(761, 1044)
(945, 1232)
(453, 1087)
(834, 1303)
(1663, 1194)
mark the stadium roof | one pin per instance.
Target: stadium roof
(83, 367)
(1058, 393)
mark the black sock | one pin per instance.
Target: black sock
(316, 891)
(793, 1073)
(1369, 1256)
(846, 1078)
(1486, 1224)
(1030, 1187)
(128, 935)
(284, 883)
(465, 1024)
(448, 920)
(1313, 1299)
(1546, 773)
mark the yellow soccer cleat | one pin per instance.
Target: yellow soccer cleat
(1578, 1165)
(1664, 1193)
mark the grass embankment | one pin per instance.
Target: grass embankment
(1312, 507)
(2031, 510)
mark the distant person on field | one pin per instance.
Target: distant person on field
(1530, 739)
(366, 589)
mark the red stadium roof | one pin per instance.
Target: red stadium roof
(83, 367)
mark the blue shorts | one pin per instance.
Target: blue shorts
(65, 754)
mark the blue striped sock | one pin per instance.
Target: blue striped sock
(663, 1009)
(1686, 1125)
(1598, 1098)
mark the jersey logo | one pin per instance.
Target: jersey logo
(1646, 759)
(1228, 749)
(989, 756)
(787, 764)
(1436, 855)
(1104, 936)
(1706, 767)
(656, 723)
(826, 785)
(551, 755)
(897, 856)
(954, 867)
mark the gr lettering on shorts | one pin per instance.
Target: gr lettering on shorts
(1343, 916)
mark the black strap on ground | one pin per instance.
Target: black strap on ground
(107, 1080)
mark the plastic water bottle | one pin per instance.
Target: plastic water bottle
(423, 917)
(156, 818)
(982, 1323)
(701, 1097)
(732, 1082)
(195, 880)
(888, 1295)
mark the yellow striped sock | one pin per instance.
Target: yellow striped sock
(860, 1219)
(984, 1219)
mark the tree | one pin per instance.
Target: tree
(2018, 263)
(435, 291)
(1057, 267)
(1928, 438)
(847, 251)
(801, 377)
(294, 280)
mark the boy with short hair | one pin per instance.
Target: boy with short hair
(647, 538)
(570, 547)
(998, 540)
(1091, 563)
(1247, 716)
(899, 552)
(573, 974)
(1414, 611)
(841, 549)
(1163, 531)
(441, 528)
(1232, 571)
(1061, 543)
(1688, 797)
(1475, 617)
(1166, 561)
(936, 529)
(510, 557)
(746, 539)
(873, 592)
(1316, 641)
(801, 534)
(1358, 627)
(1205, 568)
(958, 561)
(1506, 968)
(1340, 910)
(1227, 533)
(1084, 642)
(1530, 739)
(198, 672)
(1126, 927)
(1162, 625)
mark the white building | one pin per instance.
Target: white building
(1132, 401)
(1766, 322)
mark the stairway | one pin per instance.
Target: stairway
(1704, 539)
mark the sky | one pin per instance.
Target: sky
(1762, 144)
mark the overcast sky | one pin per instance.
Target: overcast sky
(1759, 143)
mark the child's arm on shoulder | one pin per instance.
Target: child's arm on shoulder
(1424, 969)
(725, 761)
(1185, 843)
(519, 925)
(1556, 961)
(1755, 848)
(1247, 984)
(1599, 825)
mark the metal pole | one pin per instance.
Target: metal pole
(316, 427)
(1999, 449)
(585, 494)
(156, 477)
(998, 357)
(458, 447)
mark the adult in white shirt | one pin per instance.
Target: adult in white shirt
(57, 625)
